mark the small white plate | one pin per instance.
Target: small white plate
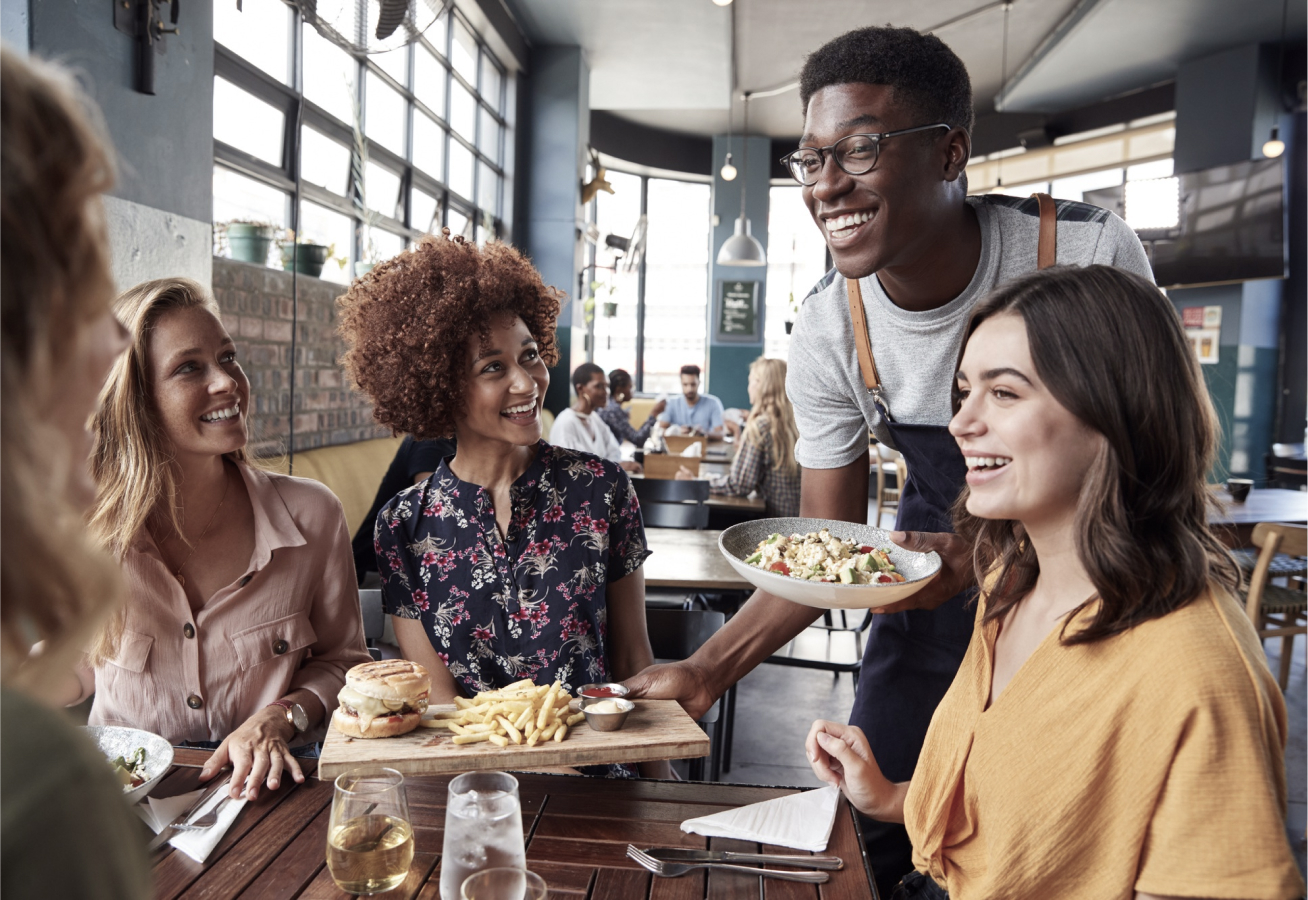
(115, 741)
(739, 542)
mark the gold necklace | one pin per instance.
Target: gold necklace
(227, 483)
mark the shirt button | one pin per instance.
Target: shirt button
(194, 702)
(188, 630)
(280, 646)
(246, 580)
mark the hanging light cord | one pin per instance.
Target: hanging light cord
(1003, 83)
(745, 138)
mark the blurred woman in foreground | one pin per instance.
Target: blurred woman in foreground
(1114, 730)
(64, 829)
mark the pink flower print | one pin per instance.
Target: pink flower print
(536, 616)
(482, 634)
(520, 616)
(596, 467)
(581, 522)
(553, 514)
(420, 599)
(445, 657)
(429, 558)
(601, 526)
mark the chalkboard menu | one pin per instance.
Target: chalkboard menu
(738, 310)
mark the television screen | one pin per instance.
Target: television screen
(1229, 226)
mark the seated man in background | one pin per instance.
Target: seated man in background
(413, 462)
(693, 412)
(577, 429)
(616, 417)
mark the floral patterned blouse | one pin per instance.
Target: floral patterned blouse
(532, 605)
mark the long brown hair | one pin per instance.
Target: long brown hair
(774, 407)
(54, 258)
(1110, 348)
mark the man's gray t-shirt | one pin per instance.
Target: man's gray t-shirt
(916, 352)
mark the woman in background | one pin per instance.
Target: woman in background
(64, 829)
(1114, 730)
(765, 460)
(242, 614)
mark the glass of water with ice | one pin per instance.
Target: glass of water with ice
(483, 828)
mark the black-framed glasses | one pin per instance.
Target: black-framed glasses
(855, 154)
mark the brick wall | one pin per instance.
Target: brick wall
(256, 309)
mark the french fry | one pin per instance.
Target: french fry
(549, 731)
(479, 728)
(547, 705)
(499, 740)
(522, 720)
(448, 714)
(438, 723)
(471, 738)
(514, 734)
(463, 703)
(520, 713)
(574, 719)
(534, 739)
(561, 733)
(457, 728)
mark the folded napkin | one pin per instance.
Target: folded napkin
(802, 821)
(195, 844)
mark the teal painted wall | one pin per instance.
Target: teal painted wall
(731, 362)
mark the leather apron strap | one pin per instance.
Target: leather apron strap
(1046, 256)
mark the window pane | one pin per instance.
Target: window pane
(437, 34)
(615, 336)
(460, 170)
(237, 198)
(423, 211)
(384, 114)
(676, 281)
(382, 187)
(325, 162)
(260, 33)
(329, 74)
(321, 225)
(247, 123)
(1074, 188)
(463, 53)
(1160, 168)
(382, 245)
(429, 81)
(1155, 203)
(394, 63)
(489, 88)
(488, 189)
(458, 223)
(463, 111)
(796, 260)
(488, 140)
(428, 146)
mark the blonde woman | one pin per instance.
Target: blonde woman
(64, 830)
(242, 613)
(765, 461)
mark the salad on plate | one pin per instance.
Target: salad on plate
(818, 556)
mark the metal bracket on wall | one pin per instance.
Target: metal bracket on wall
(143, 20)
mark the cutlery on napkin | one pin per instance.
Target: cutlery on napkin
(196, 843)
(802, 821)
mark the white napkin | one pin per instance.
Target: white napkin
(694, 450)
(195, 844)
(802, 821)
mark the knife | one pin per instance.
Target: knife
(171, 828)
(666, 854)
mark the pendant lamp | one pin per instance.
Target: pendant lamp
(742, 248)
(1274, 147)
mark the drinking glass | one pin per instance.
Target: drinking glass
(504, 884)
(483, 829)
(369, 837)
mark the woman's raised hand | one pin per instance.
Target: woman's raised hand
(258, 753)
(841, 756)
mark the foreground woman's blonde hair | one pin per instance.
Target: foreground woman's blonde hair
(775, 405)
(132, 462)
(54, 282)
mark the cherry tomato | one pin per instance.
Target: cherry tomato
(865, 549)
(883, 578)
(781, 567)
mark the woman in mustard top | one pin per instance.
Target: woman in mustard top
(1114, 731)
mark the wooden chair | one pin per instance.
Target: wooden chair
(667, 503)
(1277, 611)
(888, 498)
(827, 647)
(675, 634)
(374, 619)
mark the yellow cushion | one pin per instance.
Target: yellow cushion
(546, 422)
(353, 472)
(638, 410)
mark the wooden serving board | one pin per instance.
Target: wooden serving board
(655, 729)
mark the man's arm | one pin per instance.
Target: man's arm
(765, 623)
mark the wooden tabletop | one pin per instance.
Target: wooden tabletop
(690, 560)
(577, 830)
(742, 504)
(1262, 505)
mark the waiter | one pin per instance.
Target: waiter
(887, 136)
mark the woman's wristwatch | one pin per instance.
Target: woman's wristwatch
(295, 714)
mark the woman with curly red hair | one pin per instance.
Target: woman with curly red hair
(515, 559)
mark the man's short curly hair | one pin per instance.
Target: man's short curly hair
(408, 321)
(923, 72)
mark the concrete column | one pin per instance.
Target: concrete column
(729, 356)
(559, 92)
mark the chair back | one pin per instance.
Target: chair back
(675, 515)
(677, 633)
(374, 619)
(664, 465)
(1271, 538)
(661, 490)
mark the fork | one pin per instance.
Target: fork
(671, 870)
(207, 820)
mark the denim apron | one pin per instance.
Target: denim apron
(910, 658)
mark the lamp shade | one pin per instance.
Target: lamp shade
(742, 248)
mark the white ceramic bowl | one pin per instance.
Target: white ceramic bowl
(115, 741)
(739, 542)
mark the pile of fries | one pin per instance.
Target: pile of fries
(521, 713)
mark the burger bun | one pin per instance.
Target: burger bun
(391, 726)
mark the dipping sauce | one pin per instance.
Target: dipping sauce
(601, 692)
(605, 707)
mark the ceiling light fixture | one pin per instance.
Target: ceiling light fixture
(742, 248)
(1274, 147)
(722, 2)
(728, 171)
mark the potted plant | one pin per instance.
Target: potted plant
(248, 241)
(303, 256)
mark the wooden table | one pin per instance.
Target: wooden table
(577, 831)
(689, 560)
(1235, 523)
(737, 504)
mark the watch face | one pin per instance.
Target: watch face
(298, 717)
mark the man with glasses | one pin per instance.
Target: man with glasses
(887, 136)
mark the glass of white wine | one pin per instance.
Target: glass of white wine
(369, 838)
(504, 884)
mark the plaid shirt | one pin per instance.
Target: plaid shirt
(753, 471)
(619, 423)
